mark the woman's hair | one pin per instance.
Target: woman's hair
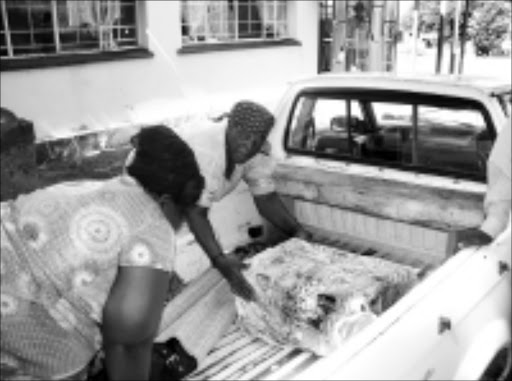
(165, 165)
(15, 131)
(18, 156)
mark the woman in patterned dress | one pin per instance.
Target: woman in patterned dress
(86, 264)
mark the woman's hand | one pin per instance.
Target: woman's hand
(471, 237)
(231, 269)
(304, 235)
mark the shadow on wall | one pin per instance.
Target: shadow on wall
(92, 155)
(97, 155)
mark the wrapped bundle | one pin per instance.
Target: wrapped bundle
(316, 297)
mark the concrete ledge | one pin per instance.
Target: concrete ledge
(26, 63)
(215, 47)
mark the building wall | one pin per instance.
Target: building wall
(64, 100)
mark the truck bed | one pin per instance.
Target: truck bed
(239, 356)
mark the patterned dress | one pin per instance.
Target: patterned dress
(60, 250)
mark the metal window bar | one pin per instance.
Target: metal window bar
(249, 17)
(349, 125)
(415, 134)
(7, 31)
(56, 29)
(224, 25)
(275, 22)
(55, 23)
(100, 29)
(223, 22)
(30, 25)
(235, 5)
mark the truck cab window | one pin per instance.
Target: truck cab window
(410, 131)
(327, 125)
(392, 139)
(452, 139)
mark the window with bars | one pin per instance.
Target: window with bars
(35, 28)
(233, 20)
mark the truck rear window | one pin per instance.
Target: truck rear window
(447, 136)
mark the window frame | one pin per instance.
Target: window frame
(58, 59)
(389, 96)
(505, 100)
(237, 44)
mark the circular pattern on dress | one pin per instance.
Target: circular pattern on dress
(26, 286)
(82, 278)
(140, 254)
(97, 230)
(33, 230)
(48, 206)
(8, 305)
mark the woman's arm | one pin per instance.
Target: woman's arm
(272, 208)
(131, 317)
(199, 224)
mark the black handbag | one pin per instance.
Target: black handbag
(169, 361)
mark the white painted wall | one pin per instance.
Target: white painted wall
(64, 100)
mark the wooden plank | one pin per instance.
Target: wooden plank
(226, 351)
(288, 366)
(265, 364)
(411, 256)
(232, 335)
(229, 362)
(432, 204)
(242, 359)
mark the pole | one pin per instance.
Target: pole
(440, 36)
(465, 17)
(415, 27)
(455, 36)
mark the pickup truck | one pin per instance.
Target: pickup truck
(394, 182)
(381, 166)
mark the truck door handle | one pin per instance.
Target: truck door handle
(503, 267)
(444, 324)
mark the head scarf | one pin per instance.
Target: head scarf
(248, 126)
(165, 165)
(249, 121)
